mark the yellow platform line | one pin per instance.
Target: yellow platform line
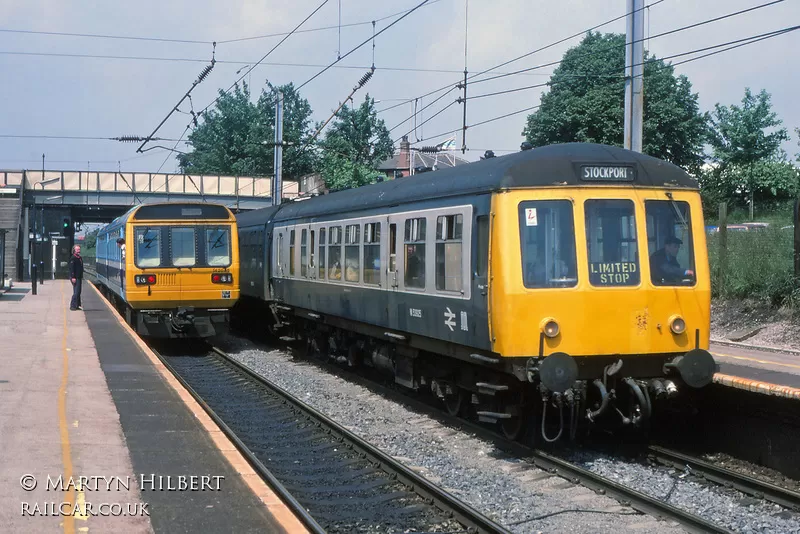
(66, 451)
(756, 360)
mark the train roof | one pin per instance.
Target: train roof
(571, 164)
(156, 211)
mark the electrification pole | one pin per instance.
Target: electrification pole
(634, 75)
(277, 186)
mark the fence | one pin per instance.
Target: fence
(756, 262)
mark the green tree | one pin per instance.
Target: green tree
(355, 144)
(748, 158)
(586, 99)
(231, 139)
(90, 240)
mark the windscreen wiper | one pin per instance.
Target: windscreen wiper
(677, 210)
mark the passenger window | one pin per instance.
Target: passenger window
(669, 242)
(547, 233)
(352, 253)
(611, 243)
(483, 245)
(448, 252)
(182, 247)
(291, 252)
(311, 255)
(415, 253)
(322, 253)
(303, 253)
(335, 253)
(280, 253)
(372, 253)
(393, 248)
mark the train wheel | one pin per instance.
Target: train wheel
(455, 403)
(513, 428)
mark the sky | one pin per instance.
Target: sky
(46, 91)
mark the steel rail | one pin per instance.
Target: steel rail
(461, 511)
(299, 510)
(726, 477)
(627, 496)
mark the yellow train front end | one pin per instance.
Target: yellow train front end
(602, 292)
(182, 270)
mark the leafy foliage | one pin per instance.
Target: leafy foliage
(586, 104)
(90, 240)
(749, 163)
(232, 136)
(355, 144)
(738, 134)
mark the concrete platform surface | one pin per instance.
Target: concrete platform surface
(95, 438)
(762, 370)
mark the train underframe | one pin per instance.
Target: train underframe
(528, 398)
(181, 322)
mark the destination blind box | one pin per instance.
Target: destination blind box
(607, 173)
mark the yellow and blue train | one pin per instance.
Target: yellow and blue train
(571, 278)
(180, 271)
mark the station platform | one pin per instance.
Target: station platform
(97, 436)
(767, 370)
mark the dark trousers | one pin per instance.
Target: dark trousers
(76, 294)
(122, 279)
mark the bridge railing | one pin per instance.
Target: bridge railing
(147, 183)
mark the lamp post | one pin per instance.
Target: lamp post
(42, 183)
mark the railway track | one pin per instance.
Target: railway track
(332, 479)
(637, 500)
(726, 477)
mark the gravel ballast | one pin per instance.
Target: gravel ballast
(508, 490)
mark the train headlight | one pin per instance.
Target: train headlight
(677, 324)
(222, 278)
(144, 279)
(550, 327)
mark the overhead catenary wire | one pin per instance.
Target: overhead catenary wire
(734, 44)
(558, 62)
(395, 21)
(200, 77)
(265, 56)
(323, 28)
(191, 41)
(745, 40)
(551, 45)
(124, 138)
(650, 37)
(237, 62)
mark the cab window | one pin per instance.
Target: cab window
(148, 247)
(669, 242)
(182, 247)
(218, 246)
(611, 243)
(547, 233)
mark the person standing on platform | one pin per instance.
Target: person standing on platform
(121, 244)
(76, 277)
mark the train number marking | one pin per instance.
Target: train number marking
(448, 321)
(530, 217)
(414, 312)
(464, 326)
(226, 294)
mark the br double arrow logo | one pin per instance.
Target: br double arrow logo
(448, 321)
